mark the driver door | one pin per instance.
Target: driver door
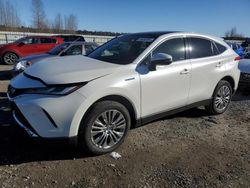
(167, 87)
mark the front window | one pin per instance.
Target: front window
(74, 50)
(58, 49)
(123, 50)
(90, 48)
(28, 40)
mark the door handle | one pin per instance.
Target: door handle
(185, 71)
(218, 64)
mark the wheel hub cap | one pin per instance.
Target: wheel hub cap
(222, 98)
(108, 129)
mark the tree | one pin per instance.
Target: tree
(8, 15)
(232, 33)
(58, 22)
(70, 22)
(39, 18)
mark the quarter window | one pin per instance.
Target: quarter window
(200, 48)
(220, 47)
(174, 47)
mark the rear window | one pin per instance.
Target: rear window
(200, 48)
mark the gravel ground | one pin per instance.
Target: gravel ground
(190, 149)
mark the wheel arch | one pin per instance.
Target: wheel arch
(124, 101)
(230, 80)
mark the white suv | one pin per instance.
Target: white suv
(129, 81)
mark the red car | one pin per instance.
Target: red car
(9, 53)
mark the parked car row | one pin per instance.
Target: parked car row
(131, 80)
(64, 49)
(10, 53)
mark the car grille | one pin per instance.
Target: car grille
(13, 92)
(21, 117)
(245, 77)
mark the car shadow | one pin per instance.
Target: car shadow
(242, 94)
(17, 148)
(5, 75)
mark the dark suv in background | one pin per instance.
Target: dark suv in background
(71, 38)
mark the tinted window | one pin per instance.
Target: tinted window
(89, 48)
(220, 47)
(173, 47)
(74, 50)
(215, 49)
(200, 48)
(45, 40)
(58, 49)
(53, 40)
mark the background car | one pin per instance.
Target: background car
(64, 49)
(247, 56)
(247, 53)
(237, 48)
(11, 52)
(71, 38)
(246, 43)
(244, 66)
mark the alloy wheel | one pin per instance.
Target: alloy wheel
(108, 129)
(222, 98)
(10, 58)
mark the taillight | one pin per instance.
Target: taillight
(237, 58)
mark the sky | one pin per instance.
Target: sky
(213, 17)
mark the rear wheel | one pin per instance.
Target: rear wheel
(104, 128)
(221, 98)
(10, 58)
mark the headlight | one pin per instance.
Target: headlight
(22, 65)
(57, 90)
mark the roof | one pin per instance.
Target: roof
(79, 42)
(155, 34)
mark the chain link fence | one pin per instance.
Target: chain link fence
(8, 37)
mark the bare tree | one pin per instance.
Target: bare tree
(70, 22)
(39, 18)
(232, 33)
(58, 22)
(8, 15)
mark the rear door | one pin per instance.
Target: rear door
(207, 68)
(46, 44)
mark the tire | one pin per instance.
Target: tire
(221, 98)
(9, 58)
(96, 135)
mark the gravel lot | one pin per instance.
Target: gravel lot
(190, 149)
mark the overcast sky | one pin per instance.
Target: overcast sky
(206, 16)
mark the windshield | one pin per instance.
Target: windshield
(58, 49)
(123, 50)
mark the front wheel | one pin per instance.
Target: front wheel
(221, 98)
(10, 58)
(104, 128)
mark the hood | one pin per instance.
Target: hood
(244, 65)
(69, 69)
(35, 58)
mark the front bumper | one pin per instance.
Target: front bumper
(48, 117)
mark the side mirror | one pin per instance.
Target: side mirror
(160, 59)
